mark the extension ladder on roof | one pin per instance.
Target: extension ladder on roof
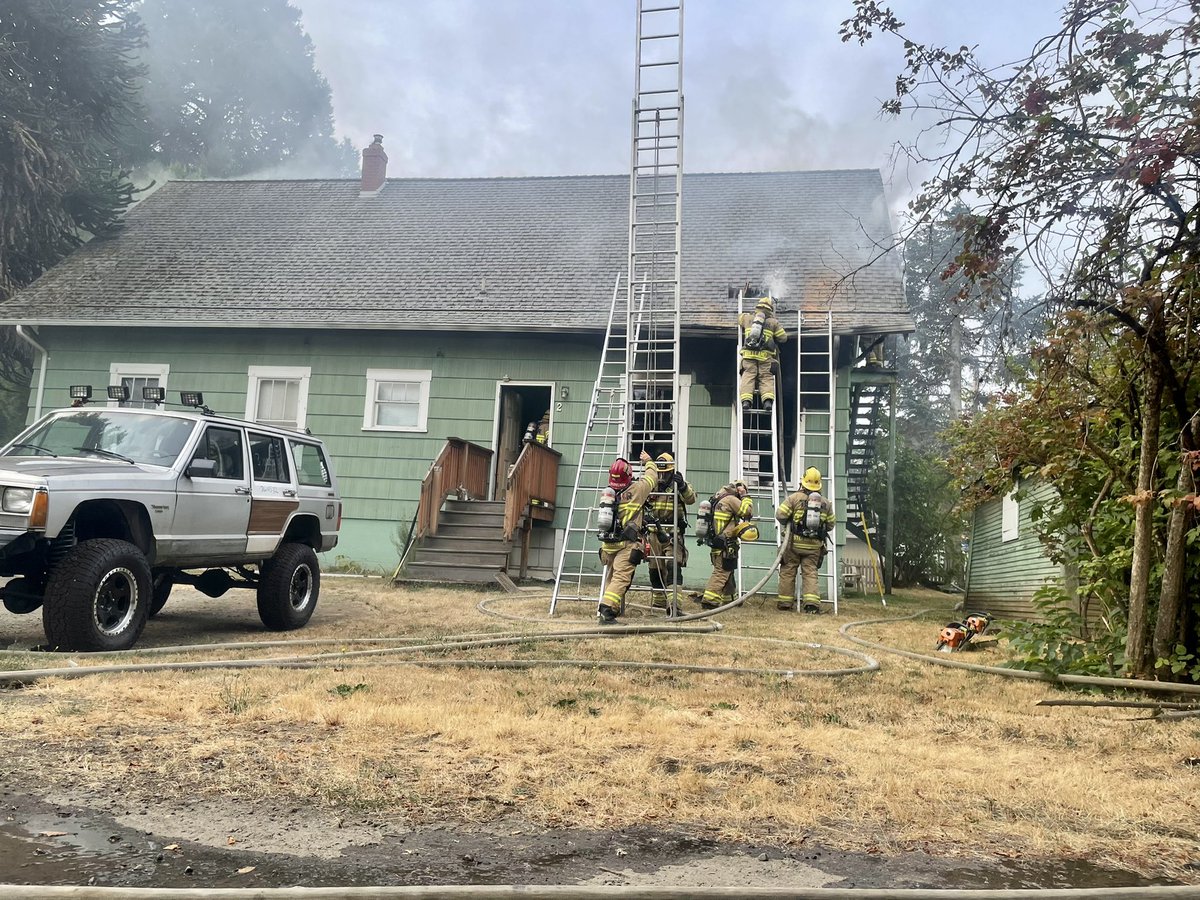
(646, 417)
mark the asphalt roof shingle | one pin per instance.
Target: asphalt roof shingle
(515, 252)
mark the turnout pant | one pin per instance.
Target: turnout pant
(720, 587)
(808, 561)
(619, 566)
(664, 567)
(757, 377)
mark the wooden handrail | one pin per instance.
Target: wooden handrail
(532, 481)
(460, 469)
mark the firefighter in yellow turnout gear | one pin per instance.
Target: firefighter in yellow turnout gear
(621, 548)
(731, 515)
(810, 517)
(761, 336)
(667, 522)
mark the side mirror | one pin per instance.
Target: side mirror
(201, 468)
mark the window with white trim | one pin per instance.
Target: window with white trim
(278, 395)
(135, 376)
(1010, 517)
(397, 400)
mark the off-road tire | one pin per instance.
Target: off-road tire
(161, 584)
(288, 587)
(97, 597)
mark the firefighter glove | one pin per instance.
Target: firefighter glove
(680, 482)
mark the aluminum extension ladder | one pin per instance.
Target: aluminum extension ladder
(756, 462)
(816, 431)
(646, 415)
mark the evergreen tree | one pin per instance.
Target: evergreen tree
(232, 89)
(67, 89)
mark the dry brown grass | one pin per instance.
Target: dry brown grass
(912, 756)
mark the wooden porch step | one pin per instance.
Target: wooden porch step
(462, 573)
(490, 518)
(492, 556)
(469, 530)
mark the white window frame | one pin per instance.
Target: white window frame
(117, 371)
(255, 375)
(1010, 517)
(420, 377)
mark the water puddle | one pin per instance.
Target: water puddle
(59, 847)
(1014, 875)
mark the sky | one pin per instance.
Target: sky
(464, 88)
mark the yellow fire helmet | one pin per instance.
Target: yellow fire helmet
(766, 303)
(665, 463)
(746, 531)
(811, 479)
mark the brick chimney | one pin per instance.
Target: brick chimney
(374, 168)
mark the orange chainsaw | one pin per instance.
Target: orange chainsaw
(957, 635)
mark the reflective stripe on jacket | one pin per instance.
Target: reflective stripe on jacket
(730, 510)
(633, 500)
(794, 509)
(773, 336)
(662, 503)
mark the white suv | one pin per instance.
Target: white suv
(103, 509)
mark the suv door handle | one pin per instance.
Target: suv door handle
(241, 490)
(289, 493)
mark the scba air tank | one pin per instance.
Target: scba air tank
(703, 519)
(607, 513)
(755, 337)
(812, 513)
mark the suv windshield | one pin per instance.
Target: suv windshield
(142, 438)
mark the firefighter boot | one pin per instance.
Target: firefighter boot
(608, 615)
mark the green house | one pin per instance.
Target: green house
(1008, 563)
(391, 315)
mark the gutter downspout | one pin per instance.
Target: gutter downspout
(41, 389)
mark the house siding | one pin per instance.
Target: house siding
(379, 473)
(1004, 575)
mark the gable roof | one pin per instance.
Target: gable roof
(485, 253)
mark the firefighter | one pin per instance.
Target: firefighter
(621, 545)
(732, 511)
(666, 526)
(808, 518)
(543, 430)
(761, 336)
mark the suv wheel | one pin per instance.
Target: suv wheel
(161, 588)
(288, 587)
(97, 597)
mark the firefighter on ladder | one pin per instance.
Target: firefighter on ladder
(621, 530)
(666, 526)
(807, 518)
(732, 511)
(761, 336)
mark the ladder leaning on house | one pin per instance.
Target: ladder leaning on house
(635, 401)
(816, 430)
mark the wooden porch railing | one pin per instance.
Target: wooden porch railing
(530, 485)
(460, 469)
